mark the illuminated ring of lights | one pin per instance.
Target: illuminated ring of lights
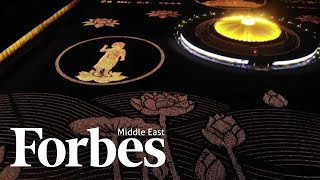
(210, 56)
(298, 60)
(161, 61)
(216, 57)
(306, 57)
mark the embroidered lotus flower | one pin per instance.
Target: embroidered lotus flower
(223, 131)
(209, 167)
(274, 99)
(162, 103)
(101, 22)
(163, 14)
(309, 18)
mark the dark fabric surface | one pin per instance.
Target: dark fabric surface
(281, 142)
(19, 17)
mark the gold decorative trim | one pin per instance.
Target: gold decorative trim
(35, 31)
(57, 63)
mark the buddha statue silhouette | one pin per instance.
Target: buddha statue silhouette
(102, 72)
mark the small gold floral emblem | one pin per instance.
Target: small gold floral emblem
(163, 14)
(101, 22)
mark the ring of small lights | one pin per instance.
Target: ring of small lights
(296, 46)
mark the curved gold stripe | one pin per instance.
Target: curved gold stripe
(35, 31)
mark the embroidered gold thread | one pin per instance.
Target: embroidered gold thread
(102, 71)
(76, 80)
(35, 31)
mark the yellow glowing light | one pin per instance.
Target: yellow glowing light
(248, 21)
(247, 28)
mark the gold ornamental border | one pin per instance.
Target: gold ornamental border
(57, 63)
(35, 31)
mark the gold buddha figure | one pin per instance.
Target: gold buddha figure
(101, 72)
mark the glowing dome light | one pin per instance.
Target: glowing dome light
(247, 28)
(248, 21)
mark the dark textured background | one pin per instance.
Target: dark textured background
(32, 70)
